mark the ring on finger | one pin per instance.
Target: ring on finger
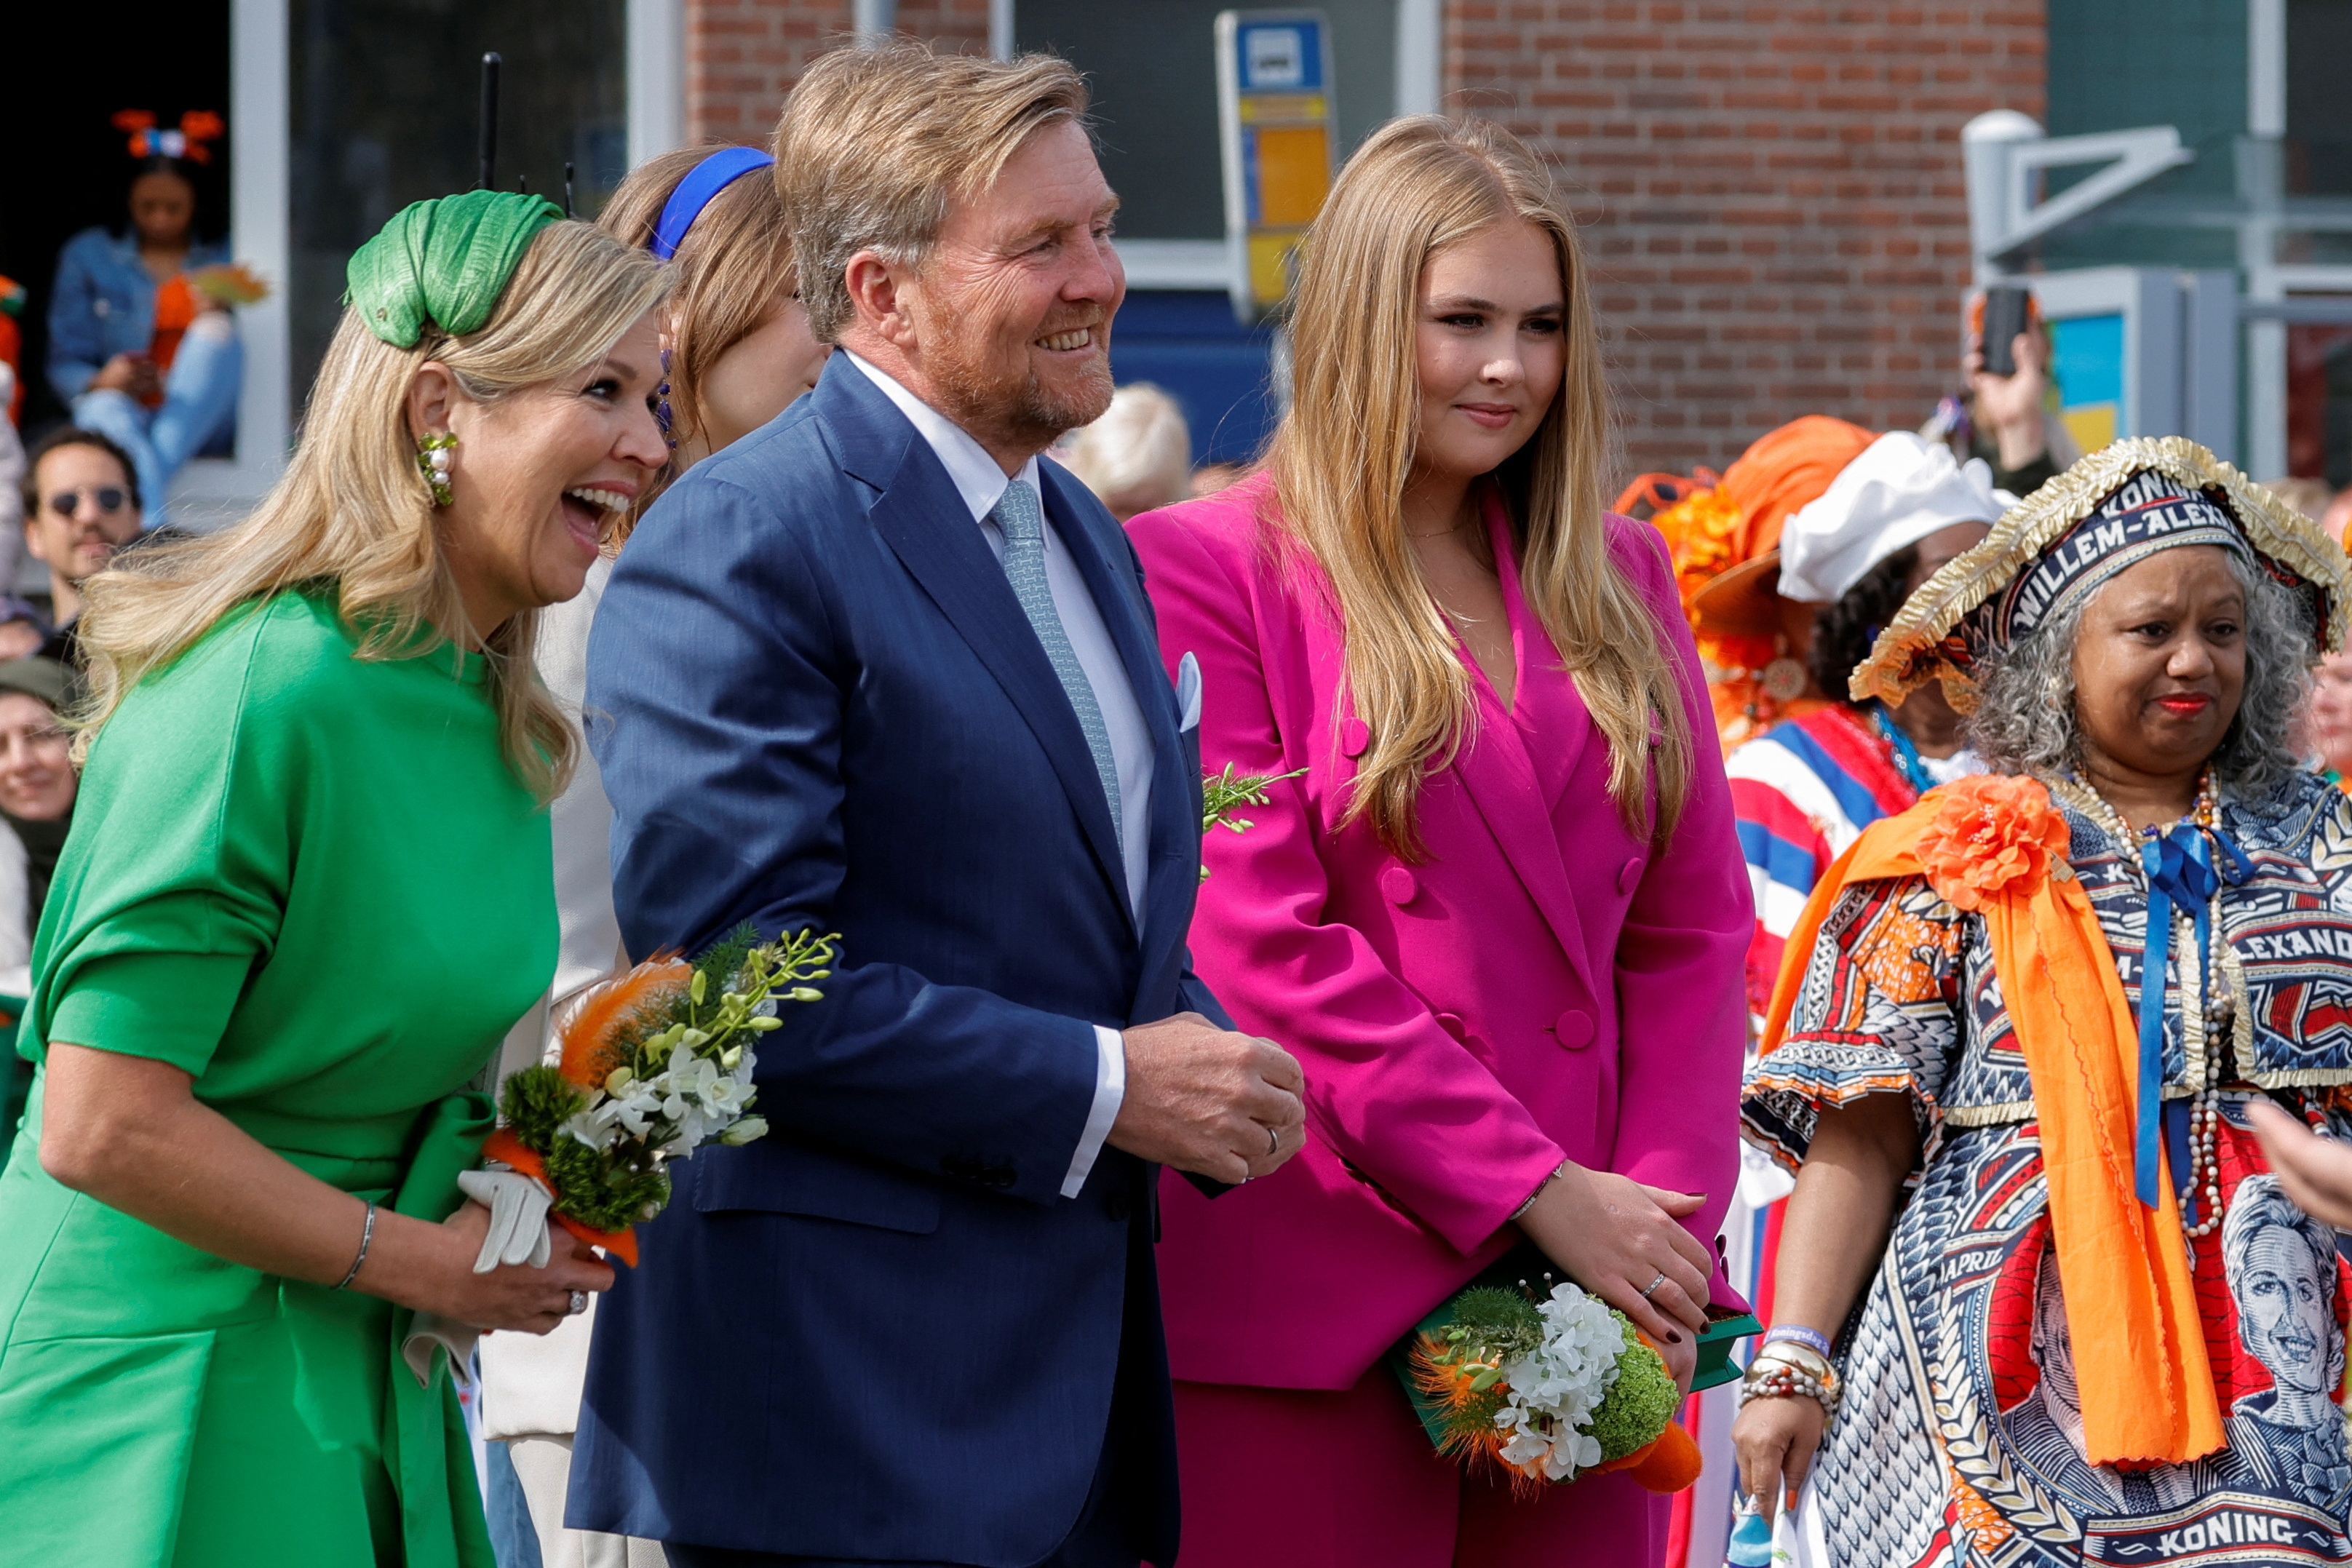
(1273, 1141)
(579, 1304)
(1654, 1284)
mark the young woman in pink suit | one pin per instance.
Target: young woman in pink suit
(1500, 917)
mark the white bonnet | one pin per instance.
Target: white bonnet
(1901, 489)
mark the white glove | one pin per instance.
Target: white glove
(518, 1207)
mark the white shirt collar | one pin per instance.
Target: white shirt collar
(977, 478)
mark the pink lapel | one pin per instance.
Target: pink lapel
(1499, 775)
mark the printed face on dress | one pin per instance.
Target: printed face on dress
(2160, 663)
(1007, 323)
(536, 476)
(2286, 1313)
(163, 206)
(1487, 347)
(79, 541)
(757, 378)
(36, 773)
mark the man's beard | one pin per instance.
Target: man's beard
(1019, 411)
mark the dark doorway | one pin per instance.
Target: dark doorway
(70, 168)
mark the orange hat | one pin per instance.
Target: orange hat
(1784, 471)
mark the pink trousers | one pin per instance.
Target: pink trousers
(1308, 1479)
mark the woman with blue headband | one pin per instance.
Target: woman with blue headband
(309, 895)
(2041, 1296)
(736, 350)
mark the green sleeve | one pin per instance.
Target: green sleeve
(172, 884)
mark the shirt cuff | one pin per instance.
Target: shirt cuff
(1110, 1090)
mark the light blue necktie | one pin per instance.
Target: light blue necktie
(1024, 523)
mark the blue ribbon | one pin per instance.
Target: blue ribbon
(2179, 871)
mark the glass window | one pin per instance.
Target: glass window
(1152, 66)
(381, 106)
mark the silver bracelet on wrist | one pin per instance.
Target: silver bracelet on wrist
(1520, 1212)
(367, 1235)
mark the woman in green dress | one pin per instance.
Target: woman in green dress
(307, 892)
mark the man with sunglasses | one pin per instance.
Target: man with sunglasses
(81, 508)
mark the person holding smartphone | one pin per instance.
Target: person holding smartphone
(2002, 415)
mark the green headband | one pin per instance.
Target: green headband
(444, 261)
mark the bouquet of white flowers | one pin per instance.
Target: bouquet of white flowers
(654, 1061)
(1548, 1387)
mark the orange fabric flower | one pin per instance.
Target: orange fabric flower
(1991, 835)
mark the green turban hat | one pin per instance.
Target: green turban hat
(444, 261)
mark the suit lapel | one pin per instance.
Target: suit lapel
(923, 519)
(1498, 774)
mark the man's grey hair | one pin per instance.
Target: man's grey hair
(2025, 720)
(874, 143)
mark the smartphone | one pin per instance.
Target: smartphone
(2008, 307)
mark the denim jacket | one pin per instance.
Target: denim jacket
(103, 305)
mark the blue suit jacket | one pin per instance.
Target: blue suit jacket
(881, 1331)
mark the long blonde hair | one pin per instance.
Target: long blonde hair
(352, 508)
(1343, 453)
(729, 271)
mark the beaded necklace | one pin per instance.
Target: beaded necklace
(1907, 760)
(2221, 1009)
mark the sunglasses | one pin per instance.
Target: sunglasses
(111, 498)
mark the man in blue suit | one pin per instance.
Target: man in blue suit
(877, 670)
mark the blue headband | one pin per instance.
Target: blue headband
(704, 181)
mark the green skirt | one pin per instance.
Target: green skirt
(161, 1406)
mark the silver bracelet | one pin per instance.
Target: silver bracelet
(367, 1234)
(1520, 1212)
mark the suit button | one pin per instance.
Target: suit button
(1574, 1029)
(1398, 885)
(1120, 1209)
(1355, 737)
(1452, 1024)
(1630, 875)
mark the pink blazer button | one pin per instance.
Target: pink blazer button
(1452, 1024)
(1574, 1029)
(1355, 739)
(1630, 875)
(1399, 885)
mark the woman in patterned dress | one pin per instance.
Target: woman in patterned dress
(2072, 1316)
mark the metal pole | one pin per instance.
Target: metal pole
(486, 179)
(874, 20)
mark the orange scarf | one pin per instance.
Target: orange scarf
(1995, 846)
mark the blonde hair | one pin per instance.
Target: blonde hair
(874, 142)
(1342, 455)
(1141, 444)
(352, 508)
(729, 271)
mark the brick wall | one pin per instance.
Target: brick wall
(1772, 194)
(743, 55)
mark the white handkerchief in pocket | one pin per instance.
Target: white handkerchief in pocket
(1188, 693)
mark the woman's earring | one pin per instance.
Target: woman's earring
(432, 459)
(661, 408)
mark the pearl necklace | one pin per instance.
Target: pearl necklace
(2200, 1071)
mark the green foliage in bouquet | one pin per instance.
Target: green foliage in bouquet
(1545, 1386)
(1223, 795)
(654, 1061)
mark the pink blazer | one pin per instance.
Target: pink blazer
(1541, 987)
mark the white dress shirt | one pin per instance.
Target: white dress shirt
(981, 480)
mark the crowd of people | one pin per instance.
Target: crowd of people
(1902, 886)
